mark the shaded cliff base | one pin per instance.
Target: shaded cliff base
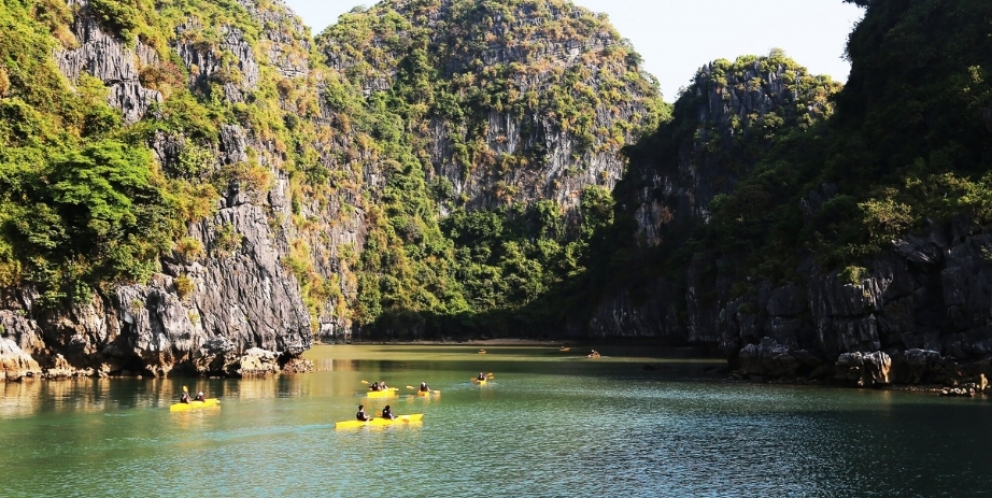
(915, 369)
(16, 365)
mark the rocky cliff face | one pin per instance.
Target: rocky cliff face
(526, 101)
(722, 124)
(781, 242)
(919, 305)
(209, 308)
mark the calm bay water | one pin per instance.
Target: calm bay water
(551, 424)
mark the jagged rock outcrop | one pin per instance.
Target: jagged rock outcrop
(205, 62)
(865, 370)
(60, 369)
(772, 360)
(107, 58)
(255, 362)
(15, 364)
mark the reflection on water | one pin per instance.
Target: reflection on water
(550, 424)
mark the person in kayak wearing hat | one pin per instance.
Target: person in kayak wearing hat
(200, 397)
(387, 413)
(481, 376)
(361, 415)
(424, 388)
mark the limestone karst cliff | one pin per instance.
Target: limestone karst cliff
(206, 179)
(805, 230)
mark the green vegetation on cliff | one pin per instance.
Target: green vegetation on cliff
(417, 128)
(908, 143)
(463, 81)
(837, 175)
(79, 207)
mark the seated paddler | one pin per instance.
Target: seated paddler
(387, 413)
(361, 415)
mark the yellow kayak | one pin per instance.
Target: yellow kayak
(424, 394)
(195, 405)
(480, 382)
(415, 418)
(388, 393)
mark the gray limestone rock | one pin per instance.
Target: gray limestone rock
(108, 58)
(15, 364)
(864, 369)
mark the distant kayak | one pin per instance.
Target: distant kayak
(388, 393)
(425, 394)
(480, 382)
(381, 422)
(195, 405)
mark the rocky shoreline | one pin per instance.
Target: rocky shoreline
(919, 371)
(16, 366)
(915, 370)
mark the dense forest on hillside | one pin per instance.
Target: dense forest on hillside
(487, 92)
(908, 146)
(396, 157)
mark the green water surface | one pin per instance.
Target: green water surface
(551, 424)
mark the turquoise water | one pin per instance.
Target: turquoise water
(551, 424)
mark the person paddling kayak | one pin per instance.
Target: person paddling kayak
(424, 388)
(184, 398)
(200, 397)
(361, 415)
(481, 376)
(387, 413)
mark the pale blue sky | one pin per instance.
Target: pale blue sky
(676, 37)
